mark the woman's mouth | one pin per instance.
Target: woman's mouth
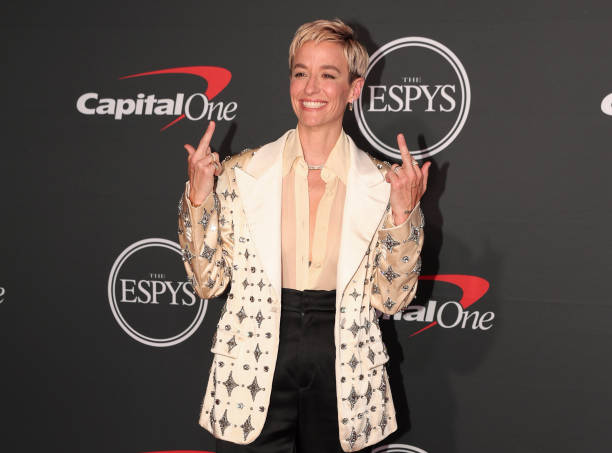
(313, 104)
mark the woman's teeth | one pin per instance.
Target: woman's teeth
(313, 104)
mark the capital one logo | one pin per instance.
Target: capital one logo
(446, 312)
(397, 448)
(195, 106)
(606, 104)
(416, 86)
(150, 297)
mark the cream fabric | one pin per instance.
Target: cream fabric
(234, 238)
(310, 251)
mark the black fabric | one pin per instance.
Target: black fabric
(303, 416)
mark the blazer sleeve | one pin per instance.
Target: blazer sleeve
(207, 239)
(397, 262)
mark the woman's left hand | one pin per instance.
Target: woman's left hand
(408, 183)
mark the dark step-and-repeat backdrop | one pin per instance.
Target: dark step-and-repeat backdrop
(508, 345)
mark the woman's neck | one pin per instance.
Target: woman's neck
(317, 143)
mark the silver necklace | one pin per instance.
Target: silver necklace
(314, 167)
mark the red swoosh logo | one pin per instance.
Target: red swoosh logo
(473, 289)
(217, 78)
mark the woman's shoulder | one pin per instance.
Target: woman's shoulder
(241, 159)
(364, 158)
(382, 165)
(270, 151)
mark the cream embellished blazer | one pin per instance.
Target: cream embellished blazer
(234, 238)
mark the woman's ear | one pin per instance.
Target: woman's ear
(356, 87)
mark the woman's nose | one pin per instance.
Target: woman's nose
(312, 85)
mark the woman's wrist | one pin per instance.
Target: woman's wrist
(195, 199)
(400, 216)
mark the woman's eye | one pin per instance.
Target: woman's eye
(329, 76)
(299, 74)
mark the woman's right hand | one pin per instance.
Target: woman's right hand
(202, 167)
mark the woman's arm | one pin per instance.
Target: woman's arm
(397, 263)
(397, 258)
(207, 240)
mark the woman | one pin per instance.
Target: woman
(313, 235)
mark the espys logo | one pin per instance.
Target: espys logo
(451, 314)
(416, 86)
(196, 106)
(397, 448)
(606, 105)
(149, 296)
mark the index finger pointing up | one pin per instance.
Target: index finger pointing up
(406, 157)
(205, 142)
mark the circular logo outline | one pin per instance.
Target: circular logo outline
(398, 448)
(606, 104)
(464, 82)
(112, 278)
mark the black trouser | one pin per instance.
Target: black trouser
(303, 415)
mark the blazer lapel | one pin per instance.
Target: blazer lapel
(367, 196)
(260, 186)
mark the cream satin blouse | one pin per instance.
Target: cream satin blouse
(298, 272)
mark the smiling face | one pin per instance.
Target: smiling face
(320, 87)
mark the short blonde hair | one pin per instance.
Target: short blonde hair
(333, 31)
